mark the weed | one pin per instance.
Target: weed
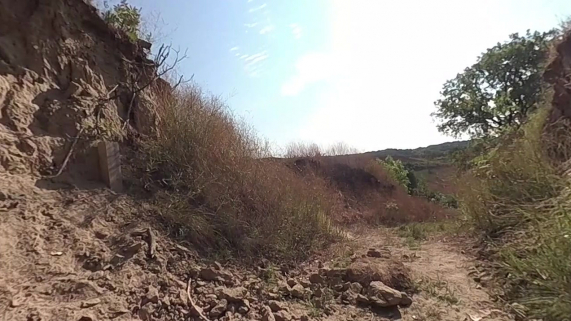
(438, 289)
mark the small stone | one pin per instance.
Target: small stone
(304, 318)
(318, 292)
(90, 303)
(219, 309)
(316, 278)
(210, 299)
(378, 253)
(145, 313)
(152, 295)
(234, 294)
(291, 282)
(356, 287)
(15, 302)
(283, 287)
(384, 296)
(276, 305)
(298, 291)
(267, 314)
(217, 265)
(282, 316)
(101, 235)
(317, 303)
(305, 283)
(362, 299)
(208, 274)
(243, 309)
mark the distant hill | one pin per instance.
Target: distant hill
(429, 152)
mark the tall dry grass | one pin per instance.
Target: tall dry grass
(520, 200)
(223, 192)
(369, 193)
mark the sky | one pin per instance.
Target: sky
(362, 72)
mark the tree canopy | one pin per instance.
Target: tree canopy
(498, 91)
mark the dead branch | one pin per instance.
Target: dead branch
(68, 156)
(194, 307)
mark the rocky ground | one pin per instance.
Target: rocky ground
(91, 255)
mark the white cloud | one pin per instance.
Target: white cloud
(251, 25)
(253, 63)
(310, 68)
(267, 29)
(258, 8)
(296, 30)
(234, 49)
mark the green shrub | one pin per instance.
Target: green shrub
(124, 17)
(396, 170)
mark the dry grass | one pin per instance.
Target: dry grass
(222, 192)
(367, 192)
(519, 198)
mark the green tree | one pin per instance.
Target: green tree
(499, 91)
(124, 17)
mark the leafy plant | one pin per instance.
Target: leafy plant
(124, 17)
(396, 170)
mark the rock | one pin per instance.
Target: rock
(101, 235)
(318, 292)
(276, 306)
(243, 309)
(283, 287)
(291, 282)
(338, 273)
(378, 253)
(219, 309)
(267, 314)
(304, 317)
(90, 303)
(152, 295)
(349, 297)
(341, 287)
(356, 287)
(282, 315)
(145, 313)
(362, 299)
(305, 283)
(208, 274)
(210, 299)
(216, 265)
(316, 278)
(234, 294)
(383, 296)
(298, 291)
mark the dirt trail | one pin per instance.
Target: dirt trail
(448, 282)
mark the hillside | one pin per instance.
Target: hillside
(125, 195)
(422, 156)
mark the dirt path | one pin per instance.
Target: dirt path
(448, 284)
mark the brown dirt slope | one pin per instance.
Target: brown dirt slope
(62, 70)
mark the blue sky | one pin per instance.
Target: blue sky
(363, 72)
